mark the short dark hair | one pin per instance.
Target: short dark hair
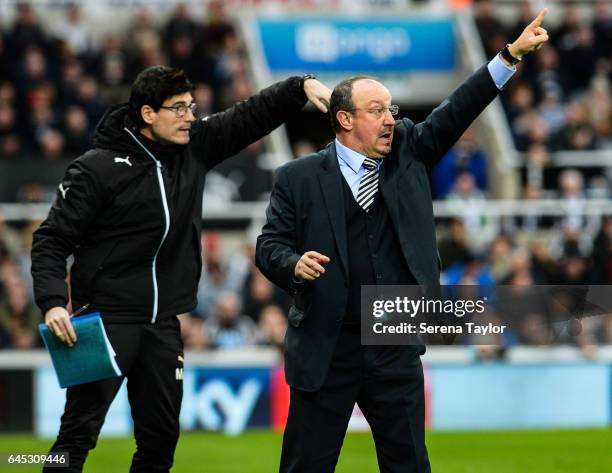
(154, 85)
(342, 99)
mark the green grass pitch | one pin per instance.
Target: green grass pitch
(568, 451)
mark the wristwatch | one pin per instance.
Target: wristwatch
(305, 77)
(505, 53)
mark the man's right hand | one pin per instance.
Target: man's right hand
(58, 321)
(309, 268)
(318, 94)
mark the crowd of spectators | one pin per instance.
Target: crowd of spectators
(560, 98)
(55, 83)
(514, 262)
(237, 305)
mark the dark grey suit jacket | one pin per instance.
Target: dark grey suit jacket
(306, 212)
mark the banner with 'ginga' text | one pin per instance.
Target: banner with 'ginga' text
(334, 45)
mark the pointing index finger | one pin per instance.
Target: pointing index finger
(318, 256)
(538, 21)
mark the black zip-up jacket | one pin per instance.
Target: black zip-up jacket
(130, 210)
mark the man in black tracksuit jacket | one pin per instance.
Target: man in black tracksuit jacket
(129, 210)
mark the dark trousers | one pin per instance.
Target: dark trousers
(387, 384)
(148, 355)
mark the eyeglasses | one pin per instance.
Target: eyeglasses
(378, 112)
(181, 109)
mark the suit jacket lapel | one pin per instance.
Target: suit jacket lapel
(331, 187)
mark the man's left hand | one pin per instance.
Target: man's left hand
(318, 94)
(531, 39)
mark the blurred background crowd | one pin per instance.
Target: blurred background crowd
(55, 84)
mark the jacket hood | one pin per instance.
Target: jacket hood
(111, 133)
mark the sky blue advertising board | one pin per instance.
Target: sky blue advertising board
(377, 46)
(461, 397)
(498, 396)
(227, 399)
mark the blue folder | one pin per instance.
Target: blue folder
(91, 358)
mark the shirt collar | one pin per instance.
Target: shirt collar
(352, 158)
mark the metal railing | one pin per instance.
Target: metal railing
(442, 209)
(257, 356)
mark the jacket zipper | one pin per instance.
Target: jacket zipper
(162, 189)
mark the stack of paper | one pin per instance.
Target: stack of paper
(91, 358)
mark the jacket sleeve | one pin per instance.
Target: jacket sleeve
(77, 203)
(276, 255)
(223, 134)
(433, 137)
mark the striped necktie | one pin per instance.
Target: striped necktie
(368, 187)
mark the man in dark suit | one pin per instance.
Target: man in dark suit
(359, 213)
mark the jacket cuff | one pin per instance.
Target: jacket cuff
(294, 284)
(50, 303)
(296, 86)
